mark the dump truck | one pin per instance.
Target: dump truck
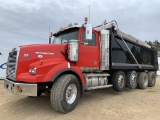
(81, 58)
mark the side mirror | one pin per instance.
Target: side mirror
(88, 32)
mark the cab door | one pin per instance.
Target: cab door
(89, 55)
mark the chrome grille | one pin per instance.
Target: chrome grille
(11, 65)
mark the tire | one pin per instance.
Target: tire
(143, 80)
(65, 93)
(151, 79)
(118, 81)
(132, 79)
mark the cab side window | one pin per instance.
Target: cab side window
(92, 42)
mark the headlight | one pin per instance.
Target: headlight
(33, 70)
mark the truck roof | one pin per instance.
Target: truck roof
(64, 29)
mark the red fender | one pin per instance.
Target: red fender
(64, 67)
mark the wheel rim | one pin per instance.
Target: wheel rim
(71, 93)
(134, 79)
(121, 81)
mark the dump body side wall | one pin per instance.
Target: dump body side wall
(122, 59)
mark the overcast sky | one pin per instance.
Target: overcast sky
(27, 21)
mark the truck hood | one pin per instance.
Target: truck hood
(42, 51)
(32, 54)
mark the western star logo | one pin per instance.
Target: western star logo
(44, 53)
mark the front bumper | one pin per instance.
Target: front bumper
(17, 88)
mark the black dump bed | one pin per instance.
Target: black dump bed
(121, 57)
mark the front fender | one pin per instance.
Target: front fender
(60, 69)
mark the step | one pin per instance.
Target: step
(99, 87)
(91, 75)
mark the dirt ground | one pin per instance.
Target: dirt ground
(104, 104)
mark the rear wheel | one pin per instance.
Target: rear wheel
(143, 80)
(119, 81)
(65, 93)
(132, 79)
(151, 79)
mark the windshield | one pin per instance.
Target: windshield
(65, 36)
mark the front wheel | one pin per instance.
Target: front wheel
(65, 93)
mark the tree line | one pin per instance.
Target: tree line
(155, 45)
